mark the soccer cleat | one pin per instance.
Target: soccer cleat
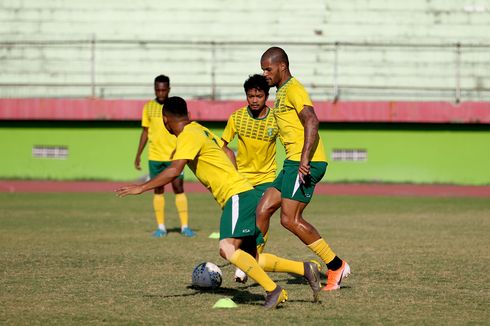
(275, 297)
(160, 233)
(240, 276)
(312, 275)
(317, 264)
(334, 278)
(187, 232)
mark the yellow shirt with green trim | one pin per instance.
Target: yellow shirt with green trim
(209, 162)
(161, 142)
(256, 157)
(290, 100)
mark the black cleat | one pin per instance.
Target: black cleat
(275, 297)
(312, 275)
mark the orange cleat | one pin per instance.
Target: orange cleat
(334, 278)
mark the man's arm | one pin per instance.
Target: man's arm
(229, 153)
(166, 176)
(141, 146)
(310, 123)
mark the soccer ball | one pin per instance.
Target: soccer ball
(207, 275)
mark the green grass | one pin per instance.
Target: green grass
(89, 259)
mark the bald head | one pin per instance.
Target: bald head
(275, 65)
(275, 55)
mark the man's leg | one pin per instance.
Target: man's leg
(182, 206)
(155, 167)
(239, 237)
(292, 219)
(229, 250)
(269, 203)
(159, 209)
(309, 270)
(272, 263)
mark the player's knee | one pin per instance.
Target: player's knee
(178, 186)
(226, 250)
(270, 202)
(287, 222)
(266, 210)
(222, 253)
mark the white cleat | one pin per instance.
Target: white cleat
(240, 276)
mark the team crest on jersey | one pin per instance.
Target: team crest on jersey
(270, 132)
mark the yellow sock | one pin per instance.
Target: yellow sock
(249, 265)
(260, 247)
(322, 249)
(181, 204)
(273, 263)
(159, 208)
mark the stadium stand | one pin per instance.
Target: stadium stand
(353, 50)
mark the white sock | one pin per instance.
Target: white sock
(162, 227)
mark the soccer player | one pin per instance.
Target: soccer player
(304, 167)
(202, 151)
(162, 145)
(256, 129)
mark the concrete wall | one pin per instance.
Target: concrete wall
(368, 64)
(222, 20)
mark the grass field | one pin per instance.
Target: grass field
(89, 259)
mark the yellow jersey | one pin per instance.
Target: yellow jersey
(161, 142)
(209, 162)
(290, 100)
(256, 157)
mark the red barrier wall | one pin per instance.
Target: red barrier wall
(203, 110)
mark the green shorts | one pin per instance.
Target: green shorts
(287, 182)
(238, 217)
(261, 188)
(158, 166)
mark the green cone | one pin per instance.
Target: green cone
(225, 303)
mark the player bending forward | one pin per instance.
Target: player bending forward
(200, 150)
(256, 129)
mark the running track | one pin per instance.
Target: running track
(334, 189)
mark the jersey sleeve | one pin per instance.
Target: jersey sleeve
(299, 98)
(230, 131)
(145, 118)
(188, 146)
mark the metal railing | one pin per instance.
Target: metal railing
(328, 80)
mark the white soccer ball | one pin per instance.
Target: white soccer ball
(207, 275)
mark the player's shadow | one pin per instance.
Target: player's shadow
(178, 230)
(239, 296)
(287, 278)
(297, 279)
(294, 279)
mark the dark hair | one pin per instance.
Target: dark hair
(256, 82)
(175, 106)
(162, 79)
